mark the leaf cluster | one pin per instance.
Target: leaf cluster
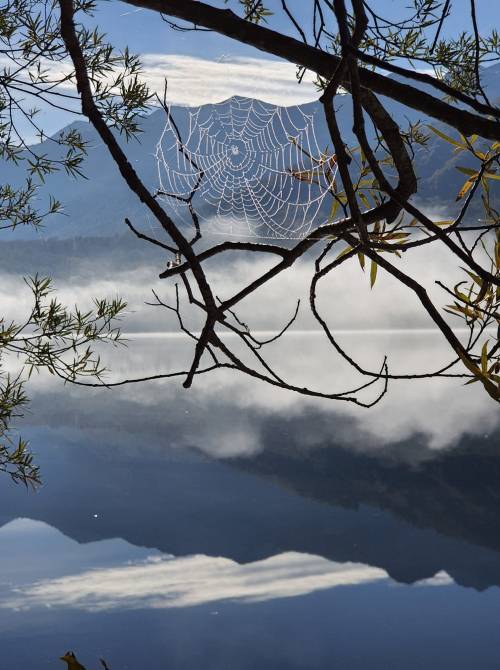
(57, 339)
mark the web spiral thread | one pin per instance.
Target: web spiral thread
(252, 169)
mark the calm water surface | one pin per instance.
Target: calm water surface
(231, 526)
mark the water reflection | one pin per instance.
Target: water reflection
(159, 582)
(230, 526)
(288, 611)
(223, 412)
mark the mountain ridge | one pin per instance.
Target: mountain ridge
(97, 206)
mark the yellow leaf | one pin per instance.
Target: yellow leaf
(344, 252)
(373, 273)
(446, 137)
(475, 278)
(465, 188)
(364, 200)
(333, 210)
(361, 258)
(467, 171)
(396, 236)
(484, 358)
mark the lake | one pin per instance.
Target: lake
(236, 526)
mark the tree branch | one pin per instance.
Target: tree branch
(227, 23)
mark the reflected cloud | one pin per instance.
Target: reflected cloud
(225, 413)
(442, 578)
(160, 583)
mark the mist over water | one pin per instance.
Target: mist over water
(236, 525)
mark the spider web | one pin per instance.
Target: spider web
(252, 169)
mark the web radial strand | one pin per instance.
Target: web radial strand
(249, 168)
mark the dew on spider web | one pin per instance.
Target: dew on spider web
(257, 170)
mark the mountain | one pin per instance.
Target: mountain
(98, 205)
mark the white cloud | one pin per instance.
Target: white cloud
(195, 81)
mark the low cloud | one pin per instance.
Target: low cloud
(196, 81)
(369, 325)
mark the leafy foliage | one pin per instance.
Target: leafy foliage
(59, 340)
(15, 457)
(372, 214)
(31, 52)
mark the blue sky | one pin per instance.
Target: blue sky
(144, 31)
(205, 67)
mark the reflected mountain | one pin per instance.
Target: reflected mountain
(455, 493)
(139, 609)
(114, 575)
(413, 521)
(232, 527)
